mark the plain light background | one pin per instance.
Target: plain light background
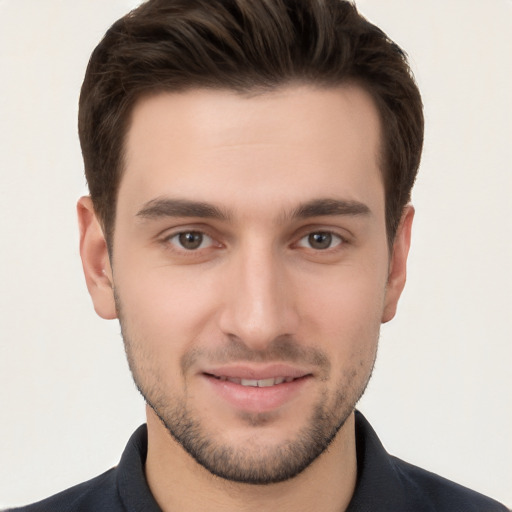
(441, 395)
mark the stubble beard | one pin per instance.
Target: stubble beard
(257, 465)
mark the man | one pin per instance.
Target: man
(250, 167)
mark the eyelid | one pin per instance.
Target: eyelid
(344, 234)
(186, 227)
(164, 238)
(323, 232)
(341, 239)
(204, 240)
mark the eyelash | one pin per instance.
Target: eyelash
(333, 238)
(178, 246)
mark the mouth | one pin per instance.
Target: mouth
(258, 389)
(255, 383)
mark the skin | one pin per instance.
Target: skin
(292, 267)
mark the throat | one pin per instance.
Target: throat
(178, 482)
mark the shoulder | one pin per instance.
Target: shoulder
(99, 493)
(388, 484)
(428, 491)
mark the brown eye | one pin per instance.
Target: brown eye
(190, 240)
(320, 240)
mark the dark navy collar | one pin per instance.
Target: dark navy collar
(377, 482)
(384, 483)
(378, 485)
(132, 485)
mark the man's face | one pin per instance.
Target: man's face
(250, 269)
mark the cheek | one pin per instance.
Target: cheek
(164, 306)
(346, 312)
(162, 317)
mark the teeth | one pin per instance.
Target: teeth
(265, 383)
(249, 382)
(261, 383)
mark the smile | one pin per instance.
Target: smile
(257, 383)
(257, 390)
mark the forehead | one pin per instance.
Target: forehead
(281, 146)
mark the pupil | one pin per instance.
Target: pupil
(320, 240)
(191, 240)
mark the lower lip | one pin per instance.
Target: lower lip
(254, 399)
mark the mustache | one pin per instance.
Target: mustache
(283, 349)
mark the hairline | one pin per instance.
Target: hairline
(248, 92)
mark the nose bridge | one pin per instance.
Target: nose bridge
(259, 307)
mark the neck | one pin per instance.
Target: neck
(178, 482)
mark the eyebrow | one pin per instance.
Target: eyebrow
(323, 207)
(170, 207)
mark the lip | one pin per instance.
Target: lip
(254, 399)
(257, 372)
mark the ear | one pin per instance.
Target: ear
(95, 260)
(398, 264)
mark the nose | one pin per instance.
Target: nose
(259, 300)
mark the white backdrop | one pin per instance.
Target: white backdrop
(441, 396)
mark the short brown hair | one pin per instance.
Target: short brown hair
(245, 45)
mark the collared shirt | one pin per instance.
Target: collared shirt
(384, 484)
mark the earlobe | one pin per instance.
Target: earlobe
(95, 260)
(398, 264)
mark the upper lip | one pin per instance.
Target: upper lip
(257, 372)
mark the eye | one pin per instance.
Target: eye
(320, 240)
(190, 240)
